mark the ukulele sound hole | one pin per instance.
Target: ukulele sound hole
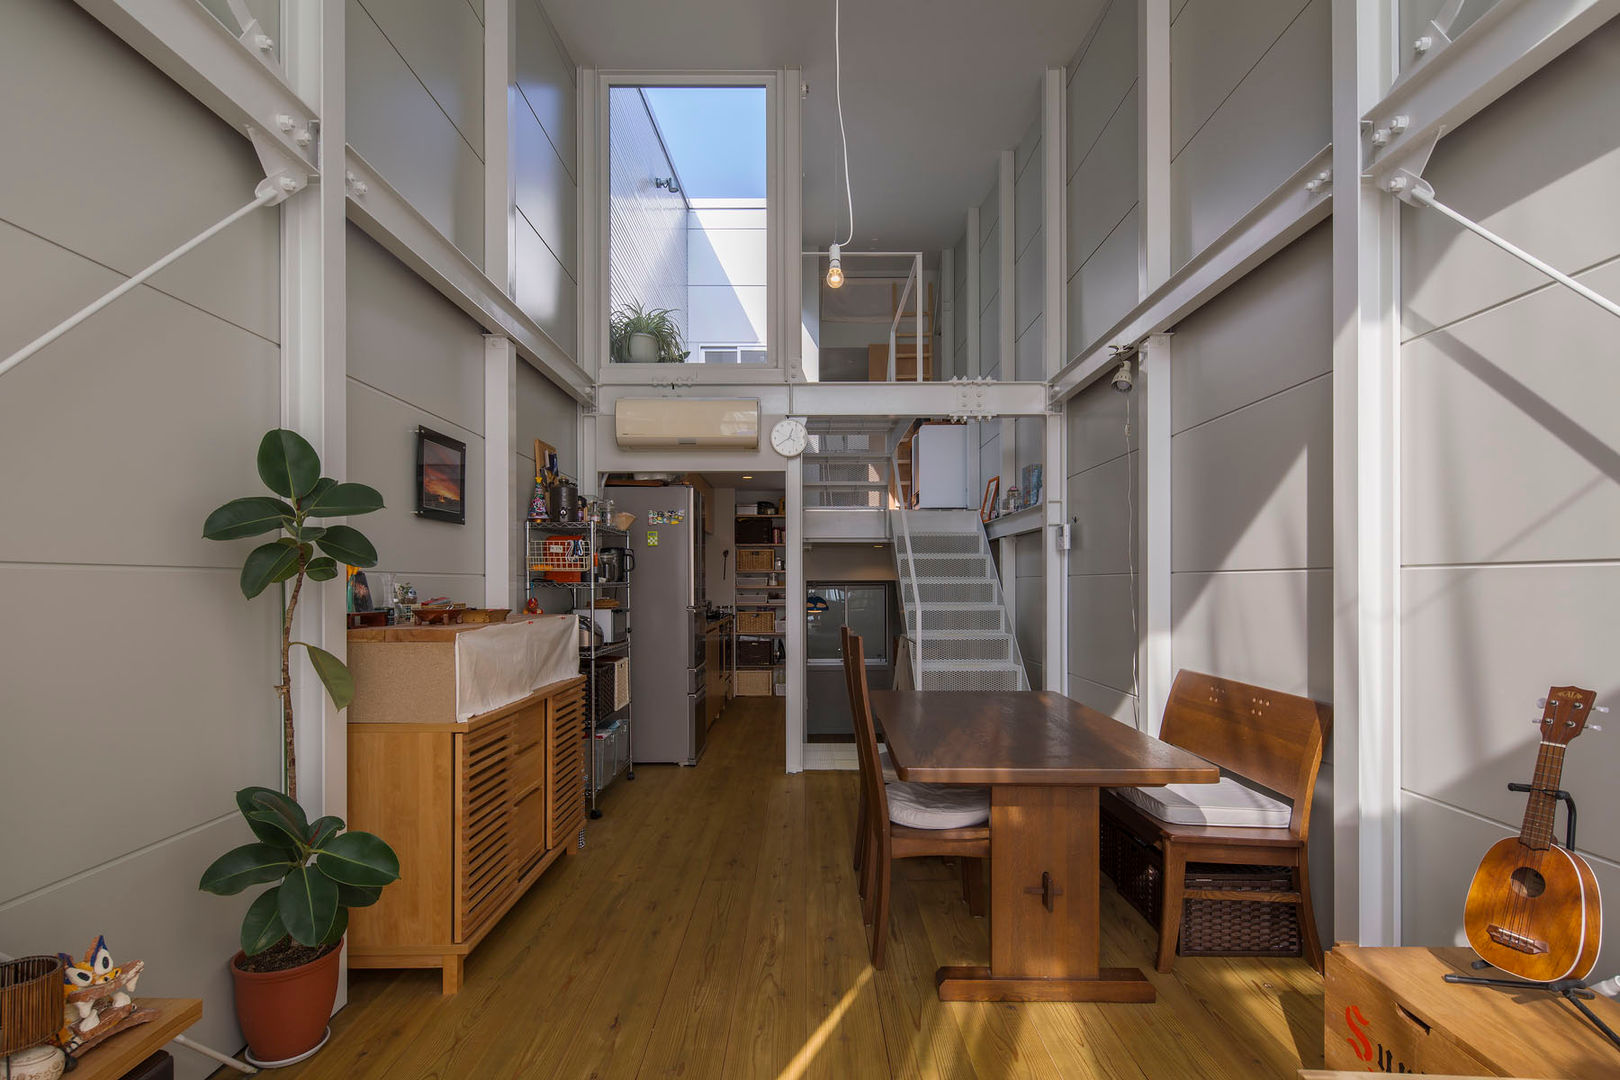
(1528, 882)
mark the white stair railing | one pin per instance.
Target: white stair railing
(911, 560)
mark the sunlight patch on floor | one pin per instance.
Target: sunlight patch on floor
(812, 1046)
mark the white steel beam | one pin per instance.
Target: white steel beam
(1052, 507)
(1054, 513)
(1153, 143)
(314, 388)
(967, 398)
(793, 507)
(500, 430)
(1154, 478)
(1451, 81)
(1007, 322)
(975, 362)
(788, 234)
(394, 223)
(193, 48)
(946, 367)
(500, 169)
(1285, 215)
(1366, 499)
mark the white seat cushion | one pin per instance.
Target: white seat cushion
(889, 775)
(937, 806)
(1227, 804)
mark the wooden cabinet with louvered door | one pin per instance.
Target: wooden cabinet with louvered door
(565, 767)
(476, 810)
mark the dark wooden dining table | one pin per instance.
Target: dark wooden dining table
(1044, 758)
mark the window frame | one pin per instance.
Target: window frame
(781, 353)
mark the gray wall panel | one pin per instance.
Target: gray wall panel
(1102, 642)
(1213, 45)
(544, 289)
(1271, 330)
(1479, 646)
(1105, 699)
(395, 124)
(1271, 125)
(545, 192)
(1103, 188)
(1101, 526)
(1505, 457)
(1029, 290)
(1105, 289)
(89, 110)
(1099, 79)
(1271, 628)
(1096, 420)
(88, 401)
(408, 341)
(1253, 490)
(1561, 125)
(1027, 191)
(546, 78)
(443, 42)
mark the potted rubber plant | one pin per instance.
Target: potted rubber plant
(286, 972)
(637, 335)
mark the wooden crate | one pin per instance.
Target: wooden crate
(754, 684)
(1390, 1010)
(755, 560)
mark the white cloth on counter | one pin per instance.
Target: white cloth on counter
(506, 662)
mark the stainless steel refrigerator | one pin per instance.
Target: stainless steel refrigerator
(666, 622)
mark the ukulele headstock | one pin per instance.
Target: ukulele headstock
(1565, 713)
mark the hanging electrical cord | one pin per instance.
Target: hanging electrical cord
(838, 94)
(1130, 553)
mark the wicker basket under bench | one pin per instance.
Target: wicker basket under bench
(1214, 921)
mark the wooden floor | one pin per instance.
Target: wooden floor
(710, 927)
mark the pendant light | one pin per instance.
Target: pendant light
(835, 266)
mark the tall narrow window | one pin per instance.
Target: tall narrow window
(688, 250)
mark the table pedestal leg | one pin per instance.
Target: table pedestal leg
(1044, 905)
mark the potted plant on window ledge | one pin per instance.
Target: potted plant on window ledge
(639, 336)
(286, 973)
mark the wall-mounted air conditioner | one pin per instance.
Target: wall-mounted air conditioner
(692, 423)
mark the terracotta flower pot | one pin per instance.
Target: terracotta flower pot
(284, 1013)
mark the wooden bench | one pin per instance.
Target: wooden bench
(1267, 738)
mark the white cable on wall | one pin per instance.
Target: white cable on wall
(1130, 554)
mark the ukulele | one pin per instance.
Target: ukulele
(1533, 908)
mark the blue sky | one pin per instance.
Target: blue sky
(716, 136)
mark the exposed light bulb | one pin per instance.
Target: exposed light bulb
(835, 268)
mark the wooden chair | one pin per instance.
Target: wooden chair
(884, 840)
(1273, 740)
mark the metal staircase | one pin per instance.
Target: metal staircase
(956, 621)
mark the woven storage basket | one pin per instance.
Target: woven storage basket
(756, 622)
(1208, 927)
(755, 560)
(753, 684)
(30, 1002)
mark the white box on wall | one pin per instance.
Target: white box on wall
(942, 467)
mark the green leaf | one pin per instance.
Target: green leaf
(250, 864)
(340, 923)
(323, 829)
(344, 500)
(347, 545)
(358, 858)
(322, 568)
(355, 896)
(334, 676)
(269, 800)
(270, 834)
(248, 517)
(315, 492)
(262, 926)
(288, 465)
(310, 533)
(277, 823)
(265, 564)
(307, 904)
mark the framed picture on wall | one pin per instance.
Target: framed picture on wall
(441, 477)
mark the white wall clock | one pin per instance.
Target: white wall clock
(788, 437)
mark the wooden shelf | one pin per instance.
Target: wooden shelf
(761, 667)
(128, 1048)
(760, 547)
(757, 517)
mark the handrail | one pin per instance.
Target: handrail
(911, 558)
(913, 275)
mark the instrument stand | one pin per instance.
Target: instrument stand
(1572, 990)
